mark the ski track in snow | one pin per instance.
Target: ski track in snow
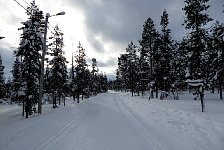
(112, 121)
(51, 138)
(37, 132)
(153, 143)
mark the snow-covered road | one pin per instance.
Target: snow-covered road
(100, 123)
(104, 122)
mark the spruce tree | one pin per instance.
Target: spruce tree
(16, 80)
(147, 54)
(94, 79)
(58, 68)
(2, 80)
(196, 18)
(28, 51)
(166, 47)
(132, 67)
(103, 83)
(122, 73)
(217, 56)
(79, 81)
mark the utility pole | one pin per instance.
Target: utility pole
(42, 65)
(42, 61)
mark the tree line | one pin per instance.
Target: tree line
(162, 64)
(78, 81)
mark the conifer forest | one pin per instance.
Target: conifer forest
(111, 75)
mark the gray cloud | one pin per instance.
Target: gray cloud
(121, 21)
(115, 21)
(98, 45)
(7, 60)
(109, 63)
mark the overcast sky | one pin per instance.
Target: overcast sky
(104, 27)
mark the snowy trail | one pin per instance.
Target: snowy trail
(106, 126)
(99, 123)
(109, 121)
(143, 128)
(37, 132)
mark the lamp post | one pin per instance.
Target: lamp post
(42, 60)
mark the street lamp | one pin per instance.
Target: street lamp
(42, 60)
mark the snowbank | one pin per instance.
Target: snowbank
(182, 121)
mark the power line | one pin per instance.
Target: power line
(50, 30)
(26, 3)
(20, 5)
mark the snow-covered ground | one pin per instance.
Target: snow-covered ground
(117, 121)
(182, 122)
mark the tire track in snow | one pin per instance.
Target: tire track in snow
(153, 143)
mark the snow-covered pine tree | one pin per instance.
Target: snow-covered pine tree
(8, 87)
(58, 71)
(87, 85)
(166, 47)
(28, 51)
(117, 86)
(132, 67)
(217, 56)
(147, 54)
(196, 18)
(79, 81)
(2, 80)
(180, 63)
(157, 54)
(122, 72)
(94, 79)
(16, 80)
(102, 82)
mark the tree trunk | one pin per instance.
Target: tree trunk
(27, 108)
(59, 100)
(54, 101)
(77, 98)
(201, 92)
(156, 92)
(177, 97)
(220, 88)
(73, 94)
(213, 90)
(151, 92)
(23, 106)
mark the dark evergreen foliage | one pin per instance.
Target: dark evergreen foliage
(164, 71)
(2, 80)
(147, 53)
(79, 80)
(57, 74)
(196, 18)
(17, 80)
(30, 46)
